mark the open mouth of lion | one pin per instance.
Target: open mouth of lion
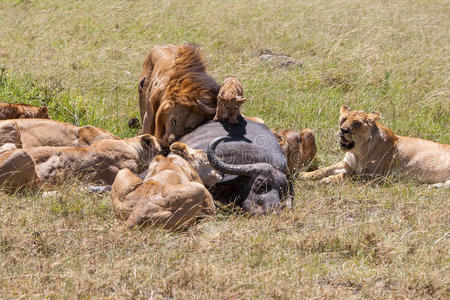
(346, 144)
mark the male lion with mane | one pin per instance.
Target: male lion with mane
(373, 149)
(175, 92)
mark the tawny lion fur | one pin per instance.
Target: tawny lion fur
(27, 133)
(299, 147)
(199, 161)
(229, 100)
(98, 163)
(373, 149)
(171, 196)
(175, 92)
(22, 111)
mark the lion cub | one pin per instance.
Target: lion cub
(171, 196)
(373, 149)
(229, 100)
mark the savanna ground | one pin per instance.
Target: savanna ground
(387, 239)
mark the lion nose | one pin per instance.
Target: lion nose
(344, 130)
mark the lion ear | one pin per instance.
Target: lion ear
(281, 138)
(344, 109)
(43, 111)
(147, 141)
(373, 116)
(240, 100)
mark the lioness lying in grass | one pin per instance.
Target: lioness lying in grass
(27, 133)
(372, 149)
(98, 163)
(171, 196)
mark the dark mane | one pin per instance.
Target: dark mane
(189, 84)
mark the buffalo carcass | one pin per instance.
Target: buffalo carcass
(251, 160)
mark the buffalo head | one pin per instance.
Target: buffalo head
(266, 188)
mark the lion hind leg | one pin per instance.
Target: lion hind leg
(10, 133)
(18, 170)
(175, 210)
(124, 183)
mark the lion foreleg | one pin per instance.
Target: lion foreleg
(334, 178)
(336, 169)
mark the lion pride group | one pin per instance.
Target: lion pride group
(159, 181)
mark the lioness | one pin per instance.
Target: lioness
(27, 133)
(22, 111)
(229, 100)
(372, 149)
(171, 196)
(299, 147)
(175, 92)
(98, 163)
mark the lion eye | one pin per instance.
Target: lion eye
(343, 120)
(174, 122)
(356, 124)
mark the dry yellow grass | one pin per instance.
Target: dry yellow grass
(355, 240)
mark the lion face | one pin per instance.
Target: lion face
(175, 120)
(355, 128)
(228, 109)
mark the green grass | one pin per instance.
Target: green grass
(83, 59)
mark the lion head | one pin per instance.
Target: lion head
(355, 128)
(199, 161)
(174, 120)
(147, 145)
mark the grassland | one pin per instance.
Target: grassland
(83, 59)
